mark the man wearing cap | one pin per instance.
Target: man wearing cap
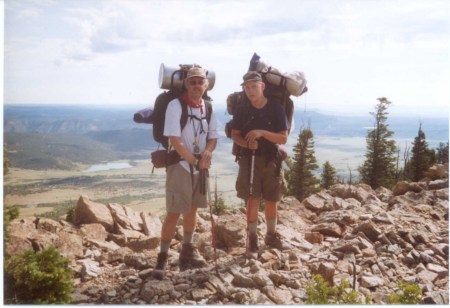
(258, 128)
(195, 144)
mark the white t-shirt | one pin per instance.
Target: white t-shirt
(193, 127)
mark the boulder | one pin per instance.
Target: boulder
(326, 270)
(345, 191)
(125, 217)
(94, 231)
(151, 224)
(368, 229)
(319, 202)
(328, 229)
(230, 231)
(371, 281)
(69, 244)
(88, 211)
(403, 187)
(439, 171)
(314, 237)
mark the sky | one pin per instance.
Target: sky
(109, 52)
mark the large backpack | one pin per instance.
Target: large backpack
(159, 114)
(174, 83)
(274, 92)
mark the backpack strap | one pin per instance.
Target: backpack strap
(208, 110)
(185, 115)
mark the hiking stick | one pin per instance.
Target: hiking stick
(212, 218)
(250, 196)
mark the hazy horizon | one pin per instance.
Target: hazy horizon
(222, 107)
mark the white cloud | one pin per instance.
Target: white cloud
(109, 51)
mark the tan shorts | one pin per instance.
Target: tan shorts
(266, 183)
(180, 196)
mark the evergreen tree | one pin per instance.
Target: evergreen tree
(421, 157)
(301, 181)
(379, 167)
(442, 153)
(328, 176)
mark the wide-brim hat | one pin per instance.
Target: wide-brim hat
(196, 72)
(251, 76)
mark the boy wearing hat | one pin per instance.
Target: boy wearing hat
(194, 144)
(258, 128)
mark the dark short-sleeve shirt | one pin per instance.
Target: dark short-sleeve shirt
(271, 118)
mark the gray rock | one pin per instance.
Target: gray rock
(369, 230)
(328, 229)
(154, 288)
(278, 296)
(427, 276)
(371, 281)
(242, 281)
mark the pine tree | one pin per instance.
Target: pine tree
(328, 178)
(442, 153)
(302, 182)
(421, 156)
(379, 167)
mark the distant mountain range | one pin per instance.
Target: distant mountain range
(43, 136)
(102, 122)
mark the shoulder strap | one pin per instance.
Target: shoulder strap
(184, 114)
(208, 108)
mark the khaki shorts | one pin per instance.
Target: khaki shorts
(266, 183)
(180, 196)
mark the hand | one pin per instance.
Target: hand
(252, 138)
(207, 155)
(203, 164)
(254, 135)
(252, 145)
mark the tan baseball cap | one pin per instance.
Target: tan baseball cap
(196, 72)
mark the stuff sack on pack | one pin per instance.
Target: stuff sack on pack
(294, 82)
(144, 116)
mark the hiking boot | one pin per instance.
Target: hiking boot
(160, 268)
(275, 241)
(190, 257)
(252, 252)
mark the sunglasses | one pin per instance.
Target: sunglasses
(200, 82)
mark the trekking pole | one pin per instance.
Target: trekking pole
(250, 195)
(212, 219)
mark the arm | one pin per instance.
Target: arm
(277, 138)
(205, 161)
(207, 153)
(179, 146)
(237, 138)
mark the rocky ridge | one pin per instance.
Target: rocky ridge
(376, 237)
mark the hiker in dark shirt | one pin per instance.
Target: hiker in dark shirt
(258, 128)
(195, 144)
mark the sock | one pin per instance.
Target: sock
(252, 226)
(188, 237)
(165, 246)
(271, 224)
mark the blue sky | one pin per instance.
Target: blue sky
(109, 51)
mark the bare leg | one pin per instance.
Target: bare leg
(190, 220)
(271, 216)
(169, 226)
